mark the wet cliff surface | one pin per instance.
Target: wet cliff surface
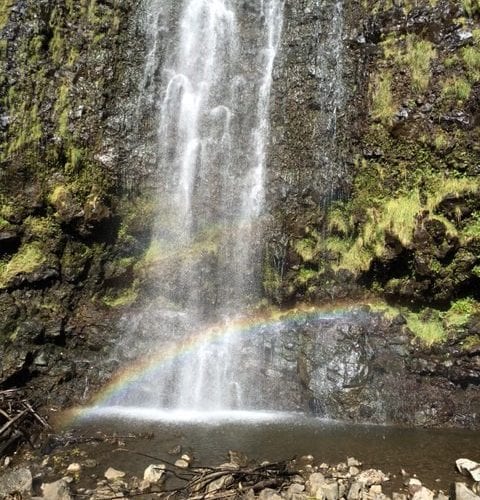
(372, 191)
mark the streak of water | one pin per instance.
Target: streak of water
(207, 83)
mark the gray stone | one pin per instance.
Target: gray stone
(423, 494)
(399, 496)
(74, 468)
(314, 482)
(16, 481)
(356, 491)
(462, 492)
(220, 483)
(469, 467)
(112, 474)
(414, 485)
(353, 462)
(182, 464)
(269, 494)
(154, 473)
(328, 491)
(296, 491)
(59, 490)
(371, 476)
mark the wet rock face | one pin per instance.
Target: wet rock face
(62, 214)
(362, 367)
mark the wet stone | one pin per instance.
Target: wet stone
(16, 481)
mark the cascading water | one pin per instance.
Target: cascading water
(206, 85)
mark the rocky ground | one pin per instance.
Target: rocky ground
(70, 474)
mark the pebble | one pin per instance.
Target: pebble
(182, 464)
(353, 462)
(111, 474)
(414, 485)
(59, 490)
(75, 468)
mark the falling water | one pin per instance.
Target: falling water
(206, 85)
(331, 95)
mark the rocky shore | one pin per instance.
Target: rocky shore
(71, 472)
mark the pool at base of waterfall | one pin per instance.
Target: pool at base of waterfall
(208, 436)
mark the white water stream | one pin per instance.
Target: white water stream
(206, 83)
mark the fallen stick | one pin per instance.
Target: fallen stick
(12, 421)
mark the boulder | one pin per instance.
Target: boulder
(468, 467)
(16, 481)
(154, 473)
(59, 490)
(462, 492)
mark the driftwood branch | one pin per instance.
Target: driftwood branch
(19, 419)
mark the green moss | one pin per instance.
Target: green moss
(305, 275)
(418, 57)
(272, 280)
(460, 311)
(306, 249)
(123, 299)
(471, 342)
(5, 8)
(430, 331)
(29, 259)
(457, 88)
(471, 59)
(383, 106)
(42, 228)
(59, 194)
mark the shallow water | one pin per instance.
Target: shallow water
(431, 454)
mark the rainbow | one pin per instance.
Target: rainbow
(144, 367)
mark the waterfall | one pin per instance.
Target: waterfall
(206, 87)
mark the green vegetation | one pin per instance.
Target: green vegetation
(5, 8)
(43, 229)
(457, 87)
(460, 311)
(122, 299)
(383, 106)
(418, 57)
(429, 331)
(396, 217)
(431, 326)
(29, 259)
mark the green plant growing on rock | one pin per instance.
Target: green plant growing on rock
(460, 311)
(383, 105)
(5, 8)
(457, 87)
(428, 330)
(122, 299)
(28, 259)
(418, 57)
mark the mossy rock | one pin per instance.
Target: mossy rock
(75, 260)
(30, 264)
